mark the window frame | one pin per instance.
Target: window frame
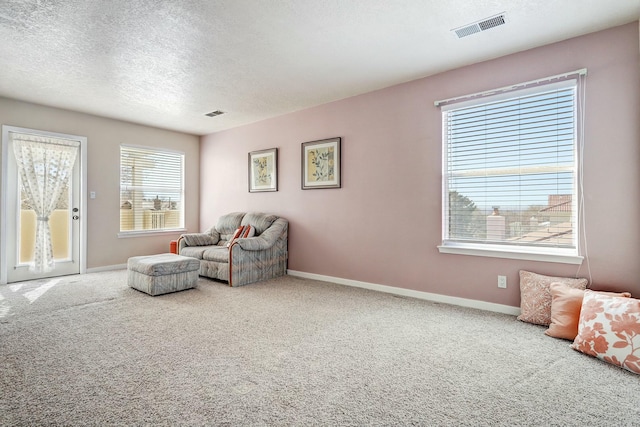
(514, 251)
(155, 231)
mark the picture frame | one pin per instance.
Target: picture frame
(321, 164)
(263, 170)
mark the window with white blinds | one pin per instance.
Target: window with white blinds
(151, 190)
(510, 171)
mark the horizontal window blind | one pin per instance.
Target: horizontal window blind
(151, 189)
(510, 169)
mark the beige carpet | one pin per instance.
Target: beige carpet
(88, 350)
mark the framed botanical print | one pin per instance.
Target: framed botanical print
(321, 164)
(263, 170)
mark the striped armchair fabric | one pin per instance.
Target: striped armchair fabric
(245, 260)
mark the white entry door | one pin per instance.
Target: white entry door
(20, 220)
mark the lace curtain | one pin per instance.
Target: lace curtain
(45, 166)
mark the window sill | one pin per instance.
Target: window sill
(146, 233)
(511, 253)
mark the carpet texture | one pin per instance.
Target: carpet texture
(88, 350)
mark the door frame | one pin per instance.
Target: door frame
(82, 254)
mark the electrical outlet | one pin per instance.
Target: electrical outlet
(502, 281)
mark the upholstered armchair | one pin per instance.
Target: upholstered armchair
(240, 260)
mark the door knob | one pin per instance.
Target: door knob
(75, 217)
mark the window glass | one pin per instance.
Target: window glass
(151, 189)
(510, 170)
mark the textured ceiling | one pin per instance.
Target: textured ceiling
(167, 63)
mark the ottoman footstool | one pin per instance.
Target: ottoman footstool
(161, 274)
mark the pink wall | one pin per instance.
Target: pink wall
(383, 226)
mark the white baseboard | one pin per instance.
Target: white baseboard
(445, 299)
(463, 302)
(107, 268)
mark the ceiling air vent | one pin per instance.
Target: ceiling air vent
(214, 113)
(483, 25)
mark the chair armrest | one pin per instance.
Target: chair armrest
(253, 243)
(261, 257)
(266, 239)
(199, 239)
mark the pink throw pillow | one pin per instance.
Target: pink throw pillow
(249, 231)
(566, 303)
(236, 234)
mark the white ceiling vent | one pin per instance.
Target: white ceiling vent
(214, 113)
(483, 25)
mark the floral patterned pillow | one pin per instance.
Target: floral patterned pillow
(609, 329)
(535, 295)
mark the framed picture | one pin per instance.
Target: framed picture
(263, 170)
(321, 164)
